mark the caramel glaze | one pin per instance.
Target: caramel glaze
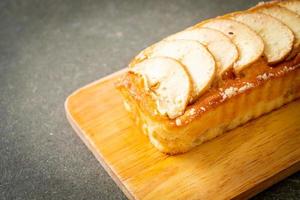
(253, 76)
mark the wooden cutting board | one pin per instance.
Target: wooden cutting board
(238, 164)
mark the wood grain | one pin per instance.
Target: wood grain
(238, 164)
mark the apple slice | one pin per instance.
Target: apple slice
(168, 83)
(293, 5)
(289, 18)
(219, 45)
(277, 37)
(194, 56)
(249, 44)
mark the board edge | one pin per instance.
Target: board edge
(268, 182)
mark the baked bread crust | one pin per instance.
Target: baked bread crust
(234, 100)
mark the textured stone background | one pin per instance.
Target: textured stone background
(50, 48)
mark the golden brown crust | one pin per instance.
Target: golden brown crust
(261, 89)
(213, 97)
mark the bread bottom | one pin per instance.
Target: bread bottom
(237, 110)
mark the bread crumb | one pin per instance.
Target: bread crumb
(232, 91)
(229, 92)
(202, 108)
(245, 87)
(290, 68)
(178, 122)
(264, 76)
(192, 111)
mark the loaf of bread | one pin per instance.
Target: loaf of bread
(214, 76)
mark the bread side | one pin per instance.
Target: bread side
(202, 123)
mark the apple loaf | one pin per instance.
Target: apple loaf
(214, 76)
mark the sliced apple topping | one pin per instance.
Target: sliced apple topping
(219, 45)
(249, 44)
(194, 56)
(270, 29)
(168, 83)
(293, 5)
(289, 18)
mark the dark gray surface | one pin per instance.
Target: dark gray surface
(50, 48)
